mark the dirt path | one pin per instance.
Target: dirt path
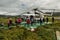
(58, 35)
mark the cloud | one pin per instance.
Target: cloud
(19, 6)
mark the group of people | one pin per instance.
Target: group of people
(29, 20)
(32, 21)
(17, 21)
(46, 20)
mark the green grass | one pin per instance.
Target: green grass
(20, 33)
(46, 32)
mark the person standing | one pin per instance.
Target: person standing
(10, 22)
(28, 21)
(46, 19)
(43, 19)
(16, 21)
(32, 20)
(52, 19)
(19, 20)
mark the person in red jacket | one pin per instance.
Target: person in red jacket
(19, 20)
(28, 22)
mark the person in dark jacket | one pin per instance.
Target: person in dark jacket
(40, 21)
(10, 22)
(16, 22)
(52, 19)
(43, 19)
(47, 19)
(32, 20)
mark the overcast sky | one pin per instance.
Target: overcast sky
(21, 5)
